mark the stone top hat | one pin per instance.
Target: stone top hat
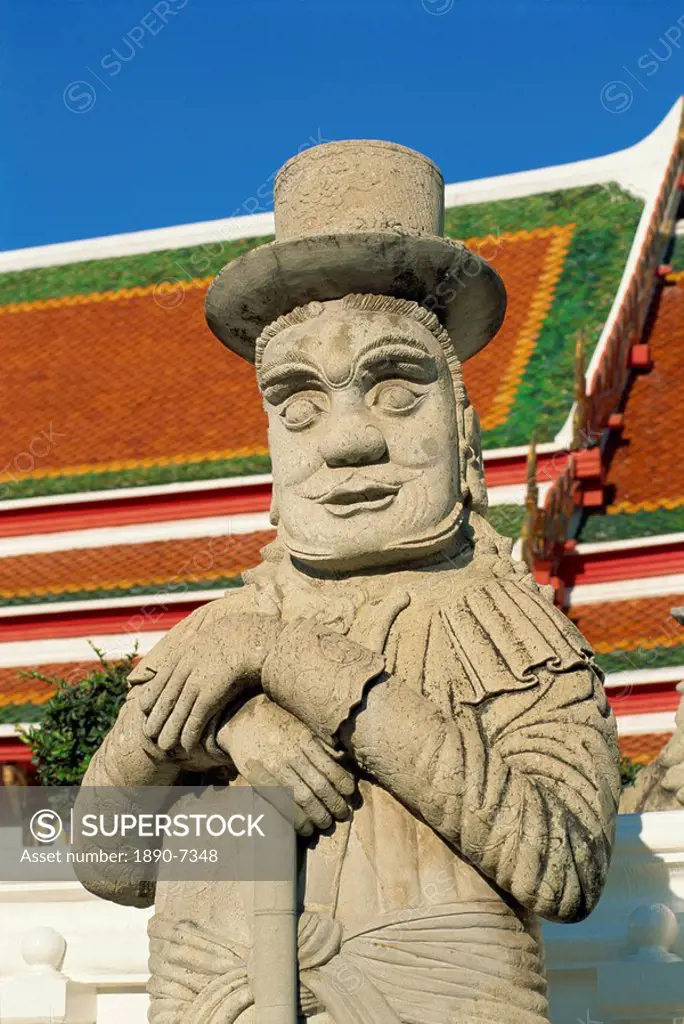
(358, 216)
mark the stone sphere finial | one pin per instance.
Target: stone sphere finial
(43, 949)
(652, 930)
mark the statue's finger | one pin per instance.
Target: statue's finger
(166, 700)
(209, 738)
(150, 691)
(170, 736)
(302, 825)
(341, 779)
(318, 784)
(163, 655)
(673, 779)
(265, 783)
(306, 799)
(196, 721)
(142, 673)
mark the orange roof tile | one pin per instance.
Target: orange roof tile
(110, 384)
(530, 262)
(114, 362)
(647, 471)
(125, 566)
(18, 689)
(111, 381)
(643, 748)
(643, 622)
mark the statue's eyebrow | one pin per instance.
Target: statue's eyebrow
(385, 356)
(393, 354)
(288, 369)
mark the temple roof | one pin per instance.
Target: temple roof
(633, 633)
(645, 472)
(135, 462)
(115, 570)
(114, 359)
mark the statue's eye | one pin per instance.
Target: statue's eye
(396, 398)
(299, 412)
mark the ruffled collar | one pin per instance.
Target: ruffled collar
(285, 587)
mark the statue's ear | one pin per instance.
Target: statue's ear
(472, 465)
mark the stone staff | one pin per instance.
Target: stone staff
(274, 955)
(273, 969)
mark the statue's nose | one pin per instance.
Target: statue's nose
(353, 444)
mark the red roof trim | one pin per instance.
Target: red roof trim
(15, 750)
(664, 559)
(150, 615)
(149, 508)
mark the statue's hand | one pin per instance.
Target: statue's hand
(672, 758)
(270, 747)
(319, 675)
(196, 681)
(374, 620)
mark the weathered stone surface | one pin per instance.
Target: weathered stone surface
(358, 217)
(660, 785)
(443, 726)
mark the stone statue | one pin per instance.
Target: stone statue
(660, 785)
(442, 725)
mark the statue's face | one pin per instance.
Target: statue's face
(362, 431)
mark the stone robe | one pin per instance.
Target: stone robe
(494, 806)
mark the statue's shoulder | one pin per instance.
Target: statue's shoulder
(236, 601)
(214, 615)
(502, 628)
(490, 586)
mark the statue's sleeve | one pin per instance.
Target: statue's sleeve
(522, 776)
(126, 759)
(214, 616)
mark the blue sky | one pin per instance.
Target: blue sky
(119, 116)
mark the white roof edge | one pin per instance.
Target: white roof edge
(644, 677)
(655, 152)
(152, 490)
(633, 168)
(646, 722)
(107, 246)
(596, 547)
(9, 731)
(623, 590)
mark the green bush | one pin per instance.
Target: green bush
(628, 771)
(76, 719)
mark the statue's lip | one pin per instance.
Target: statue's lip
(353, 491)
(359, 496)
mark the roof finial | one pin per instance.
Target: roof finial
(531, 504)
(579, 419)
